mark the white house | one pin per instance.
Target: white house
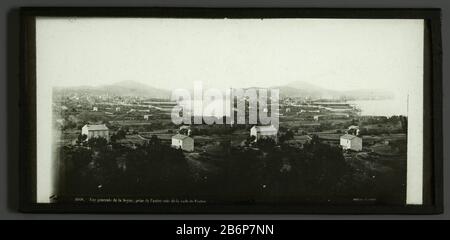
(264, 132)
(92, 131)
(184, 142)
(147, 116)
(351, 142)
(95, 109)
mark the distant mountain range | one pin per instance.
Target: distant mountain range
(294, 89)
(124, 88)
(303, 89)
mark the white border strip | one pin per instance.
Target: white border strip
(414, 179)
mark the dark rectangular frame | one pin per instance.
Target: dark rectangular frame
(433, 154)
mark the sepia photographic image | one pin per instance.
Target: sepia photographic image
(181, 112)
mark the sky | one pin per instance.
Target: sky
(339, 54)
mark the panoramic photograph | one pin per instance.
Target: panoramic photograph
(278, 111)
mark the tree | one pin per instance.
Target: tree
(352, 131)
(121, 134)
(184, 131)
(154, 140)
(250, 139)
(113, 138)
(326, 166)
(243, 174)
(74, 168)
(266, 144)
(125, 129)
(81, 138)
(97, 142)
(286, 136)
(404, 123)
(80, 157)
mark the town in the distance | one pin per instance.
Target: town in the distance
(119, 140)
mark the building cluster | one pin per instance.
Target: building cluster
(183, 140)
(312, 110)
(319, 110)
